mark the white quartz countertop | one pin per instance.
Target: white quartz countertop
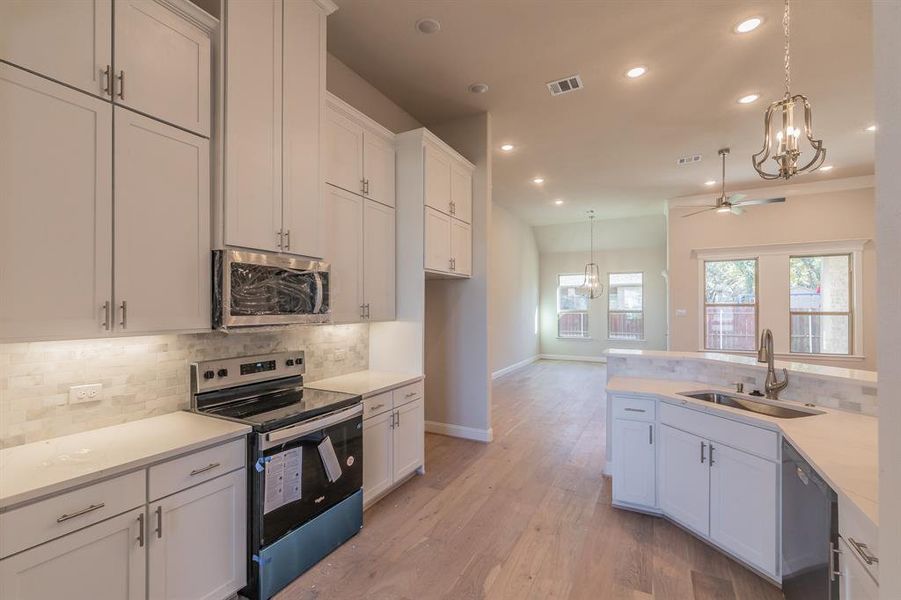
(857, 375)
(841, 446)
(31, 471)
(365, 383)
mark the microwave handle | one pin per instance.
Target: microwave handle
(319, 294)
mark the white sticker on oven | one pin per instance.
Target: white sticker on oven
(282, 479)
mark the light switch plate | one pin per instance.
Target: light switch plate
(89, 392)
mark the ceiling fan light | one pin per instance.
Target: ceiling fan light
(724, 209)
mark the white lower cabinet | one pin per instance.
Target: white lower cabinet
(409, 424)
(634, 475)
(197, 541)
(856, 583)
(684, 479)
(105, 561)
(378, 454)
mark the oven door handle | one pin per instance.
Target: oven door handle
(281, 436)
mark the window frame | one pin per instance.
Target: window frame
(849, 314)
(625, 312)
(586, 317)
(705, 304)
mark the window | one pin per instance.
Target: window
(572, 307)
(625, 308)
(730, 304)
(820, 304)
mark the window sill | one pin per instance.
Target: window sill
(793, 355)
(575, 339)
(628, 341)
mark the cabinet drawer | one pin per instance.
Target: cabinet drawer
(854, 525)
(376, 405)
(408, 393)
(183, 472)
(762, 442)
(637, 409)
(47, 519)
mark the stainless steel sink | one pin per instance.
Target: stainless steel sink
(743, 403)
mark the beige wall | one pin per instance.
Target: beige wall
(513, 290)
(809, 218)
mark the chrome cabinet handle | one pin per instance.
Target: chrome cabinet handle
(703, 456)
(141, 530)
(159, 522)
(367, 310)
(121, 78)
(362, 311)
(106, 315)
(833, 552)
(363, 186)
(281, 238)
(288, 239)
(366, 186)
(397, 420)
(78, 513)
(864, 551)
(711, 455)
(639, 410)
(106, 81)
(209, 467)
(651, 434)
(124, 321)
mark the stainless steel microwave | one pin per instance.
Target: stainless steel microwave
(258, 288)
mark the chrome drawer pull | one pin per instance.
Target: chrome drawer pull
(864, 551)
(377, 406)
(78, 513)
(410, 395)
(209, 467)
(641, 410)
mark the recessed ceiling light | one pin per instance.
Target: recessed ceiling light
(538, 180)
(710, 182)
(507, 147)
(428, 25)
(748, 25)
(749, 99)
(636, 72)
(826, 168)
(871, 128)
(478, 88)
(558, 202)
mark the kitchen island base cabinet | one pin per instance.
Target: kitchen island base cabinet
(684, 479)
(105, 561)
(634, 475)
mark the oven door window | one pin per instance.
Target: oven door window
(317, 493)
(267, 290)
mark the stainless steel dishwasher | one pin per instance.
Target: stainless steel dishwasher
(809, 531)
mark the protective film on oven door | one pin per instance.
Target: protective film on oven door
(308, 475)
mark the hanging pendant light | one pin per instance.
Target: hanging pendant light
(782, 142)
(592, 286)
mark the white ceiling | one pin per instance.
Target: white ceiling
(613, 145)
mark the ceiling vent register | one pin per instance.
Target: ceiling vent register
(565, 85)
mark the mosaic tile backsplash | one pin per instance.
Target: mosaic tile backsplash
(827, 392)
(144, 376)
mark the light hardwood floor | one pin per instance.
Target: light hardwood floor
(527, 516)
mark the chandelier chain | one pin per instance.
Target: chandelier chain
(786, 25)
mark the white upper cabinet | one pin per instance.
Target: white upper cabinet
(378, 168)
(253, 124)
(437, 237)
(162, 65)
(461, 248)
(684, 478)
(461, 193)
(378, 261)
(65, 40)
(343, 229)
(55, 209)
(162, 226)
(437, 179)
(344, 152)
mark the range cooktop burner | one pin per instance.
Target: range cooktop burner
(281, 408)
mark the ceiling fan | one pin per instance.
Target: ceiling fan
(732, 204)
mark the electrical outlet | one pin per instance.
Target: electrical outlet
(340, 354)
(85, 393)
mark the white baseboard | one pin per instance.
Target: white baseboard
(576, 357)
(514, 367)
(459, 431)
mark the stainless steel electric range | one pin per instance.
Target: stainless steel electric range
(305, 461)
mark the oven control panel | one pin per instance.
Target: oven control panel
(228, 372)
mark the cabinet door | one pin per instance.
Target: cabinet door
(856, 583)
(343, 232)
(461, 247)
(378, 261)
(101, 562)
(304, 112)
(378, 454)
(635, 464)
(378, 168)
(437, 241)
(66, 40)
(55, 209)
(461, 193)
(162, 64)
(437, 179)
(197, 541)
(162, 225)
(743, 506)
(683, 478)
(409, 438)
(253, 124)
(343, 152)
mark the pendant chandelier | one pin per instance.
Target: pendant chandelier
(782, 142)
(592, 286)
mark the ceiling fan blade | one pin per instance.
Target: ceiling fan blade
(759, 202)
(697, 212)
(737, 209)
(736, 198)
